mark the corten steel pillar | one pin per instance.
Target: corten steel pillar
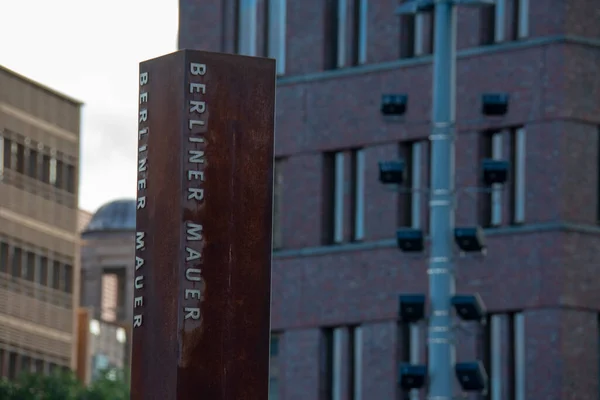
(203, 239)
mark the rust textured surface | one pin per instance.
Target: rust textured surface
(203, 240)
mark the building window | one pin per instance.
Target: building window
(331, 364)
(4, 257)
(43, 277)
(46, 168)
(359, 55)
(410, 197)
(1, 155)
(246, 27)
(56, 284)
(335, 188)
(276, 32)
(274, 368)
(52, 175)
(32, 164)
(336, 14)
(68, 278)
(29, 267)
(493, 345)
(355, 349)
(70, 178)
(518, 139)
(409, 347)
(277, 204)
(333, 198)
(113, 294)
(358, 200)
(520, 19)
(493, 21)
(407, 36)
(491, 202)
(17, 262)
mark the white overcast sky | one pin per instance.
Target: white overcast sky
(91, 50)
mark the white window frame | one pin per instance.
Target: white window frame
(342, 12)
(520, 356)
(496, 356)
(419, 29)
(359, 196)
(417, 174)
(520, 174)
(338, 206)
(247, 27)
(523, 29)
(496, 195)
(363, 18)
(276, 41)
(500, 21)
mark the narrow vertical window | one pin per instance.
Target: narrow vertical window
(17, 262)
(338, 199)
(519, 198)
(19, 155)
(416, 189)
(496, 217)
(519, 356)
(500, 21)
(407, 36)
(495, 357)
(52, 171)
(70, 178)
(523, 20)
(276, 32)
(360, 31)
(487, 24)
(341, 32)
(32, 164)
(419, 28)
(4, 257)
(359, 194)
(331, 34)
(247, 27)
(405, 195)
(326, 372)
(337, 363)
(7, 154)
(29, 267)
(356, 340)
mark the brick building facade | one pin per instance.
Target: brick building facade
(337, 272)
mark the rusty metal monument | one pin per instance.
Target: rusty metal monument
(203, 240)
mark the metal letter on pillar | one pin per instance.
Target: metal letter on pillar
(203, 239)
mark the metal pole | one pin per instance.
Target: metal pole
(441, 355)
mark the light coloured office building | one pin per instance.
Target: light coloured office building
(39, 242)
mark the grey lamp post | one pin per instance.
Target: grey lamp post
(441, 354)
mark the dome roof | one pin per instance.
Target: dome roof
(118, 215)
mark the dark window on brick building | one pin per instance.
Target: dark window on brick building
(487, 25)
(333, 41)
(326, 364)
(407, 36)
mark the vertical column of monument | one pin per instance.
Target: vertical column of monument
(203, 249)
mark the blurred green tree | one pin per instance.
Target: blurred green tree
(110, 385)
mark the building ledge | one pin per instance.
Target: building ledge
(415, 61)
(391, 243)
